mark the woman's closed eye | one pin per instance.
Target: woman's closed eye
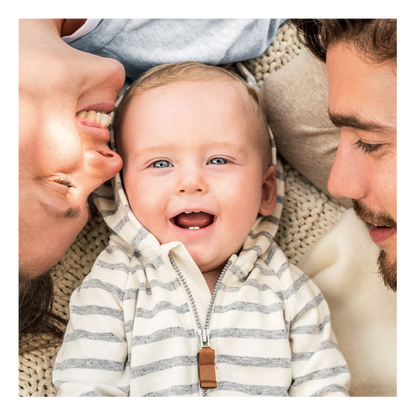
(60, 185)
(161, 164)
(64, 182)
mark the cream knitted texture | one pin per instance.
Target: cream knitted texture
(284, 48)
(307, 215)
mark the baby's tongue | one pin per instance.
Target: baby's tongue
(200, 219)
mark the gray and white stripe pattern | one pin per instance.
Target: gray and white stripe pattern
(272, 335)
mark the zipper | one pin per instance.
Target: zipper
(203, 332)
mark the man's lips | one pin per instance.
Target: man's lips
(382, 226)
(379, 234)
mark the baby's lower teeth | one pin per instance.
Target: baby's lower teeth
(193, 228)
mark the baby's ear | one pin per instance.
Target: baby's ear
(269, 191)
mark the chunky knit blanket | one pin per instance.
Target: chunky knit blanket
(307, 215)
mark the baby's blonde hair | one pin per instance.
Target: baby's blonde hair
(185, 71)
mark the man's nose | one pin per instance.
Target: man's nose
(191, 180)
(348, 178)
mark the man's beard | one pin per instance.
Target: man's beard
(387, 270)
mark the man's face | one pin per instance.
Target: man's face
(362, 103)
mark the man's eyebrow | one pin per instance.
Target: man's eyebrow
(72, 212)
(356, 123)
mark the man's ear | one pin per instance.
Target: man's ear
(269, 191)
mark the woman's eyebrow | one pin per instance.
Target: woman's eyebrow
(72, 212)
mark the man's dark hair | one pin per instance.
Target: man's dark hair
(376, 39)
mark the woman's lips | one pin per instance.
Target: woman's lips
(104, 107)
(95, 122)
(93, 118)
(98, 132)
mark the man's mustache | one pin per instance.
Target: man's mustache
(367, 215)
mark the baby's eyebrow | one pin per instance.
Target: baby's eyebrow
(231, 146)
(211, 144)
(148, 150)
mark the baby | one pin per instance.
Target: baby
(192, 297)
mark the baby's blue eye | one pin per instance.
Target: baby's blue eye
(218, 161)
(161, 164)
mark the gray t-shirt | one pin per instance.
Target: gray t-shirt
(140, 44)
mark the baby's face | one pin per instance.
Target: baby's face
(193, 169)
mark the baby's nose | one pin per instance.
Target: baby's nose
(191, 181)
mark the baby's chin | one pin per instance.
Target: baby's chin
(205, 267)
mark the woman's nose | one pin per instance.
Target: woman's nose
(348, 178)
(115, 72)
(109, 73)
(102, 164)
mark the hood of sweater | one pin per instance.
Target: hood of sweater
(112, 203)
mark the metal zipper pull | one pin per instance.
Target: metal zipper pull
(203, 337)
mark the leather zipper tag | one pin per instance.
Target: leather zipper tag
(206, 363)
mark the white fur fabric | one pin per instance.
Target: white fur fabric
(363, 311)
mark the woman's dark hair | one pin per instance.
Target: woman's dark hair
(376, 39)
(35, 312)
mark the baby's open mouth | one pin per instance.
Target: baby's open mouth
(193, 220)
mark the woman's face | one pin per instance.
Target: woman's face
(63, 156)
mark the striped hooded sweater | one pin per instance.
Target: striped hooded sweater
(139, 319)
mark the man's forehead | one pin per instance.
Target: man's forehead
(361, 95)
(347, 62)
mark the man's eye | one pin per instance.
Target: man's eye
(161, 164)
(218, 161)
(366, 147)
